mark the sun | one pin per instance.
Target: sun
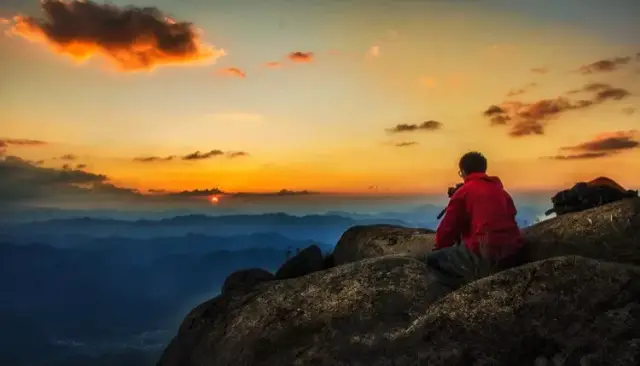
(214, 199)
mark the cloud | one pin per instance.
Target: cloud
(524, 89)
(406, 144)
(232, 71)
(424, 126)
(81, 166)
(193, 193)
(202, 156)
(527, 119)
(301, 56)
(193, 156)
(606, 65)
(540, 70)
(68, 157)
(237, 154)
(273, 64)
(153, 159)
(603, 145)
(24, 181)
(628, 110)
(21, 142)
(374, 51)
(131, 38)
(281, 193)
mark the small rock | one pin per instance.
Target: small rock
(307, 261)
(246, 279)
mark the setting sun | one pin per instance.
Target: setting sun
(214, 199)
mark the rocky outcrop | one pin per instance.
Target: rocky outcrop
(362, 242)
(282, 319)
(380, 306)
(610, 232)
(382, 312)
(309, 260)
(245, 279)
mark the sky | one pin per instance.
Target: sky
(362, 97)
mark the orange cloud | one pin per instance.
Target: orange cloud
(273, 64)
(301, 56)
(232, 71)
(604, 65)
(374, 51)
(131, 38)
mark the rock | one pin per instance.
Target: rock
(610, 232)
(328, 261)
(560, 311)
(246, 279)
(280, 319)
(361, 242)
(309, 260)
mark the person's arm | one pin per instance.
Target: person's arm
(451, 226)
(511, 205)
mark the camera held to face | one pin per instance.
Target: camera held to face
(452, 190)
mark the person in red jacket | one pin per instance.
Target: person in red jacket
(479, 227)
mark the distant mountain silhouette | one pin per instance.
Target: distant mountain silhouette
(98, 298)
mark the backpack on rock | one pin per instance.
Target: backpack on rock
(585, 195)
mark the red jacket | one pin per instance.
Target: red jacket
(481, 211)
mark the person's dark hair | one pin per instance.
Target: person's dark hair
(473, 162)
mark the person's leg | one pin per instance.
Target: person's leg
(454, 266)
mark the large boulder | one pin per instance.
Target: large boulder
(281, 319)
(560, 311)
(245, 279)
(608, 232)
(309, 260)
(371, 241)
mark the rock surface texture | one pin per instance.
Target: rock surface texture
(577, 303)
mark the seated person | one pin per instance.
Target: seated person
(479, 234)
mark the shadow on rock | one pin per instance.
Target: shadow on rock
(309, 260)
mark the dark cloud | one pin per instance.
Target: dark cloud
(526, 128)
(193, 156)
(527, 119)
(195, 193)
(406, 144)
(201, 156)
(69, 157)
(81, 166)
(301, 56)
(132, 38)
(233, 72)
(237, 154)
(604, 65)
(581, 156)
(604, 145)
(21, 142)
(281, 193)
(611, 93)
(424, 126)
(520, 91)
(152, 159)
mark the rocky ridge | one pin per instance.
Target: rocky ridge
(374, 302)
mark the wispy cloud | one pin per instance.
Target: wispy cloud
(540, 70)
(21, 142)
(406, 144)
(237, 154)
(424, 126)
(530, 118)
(273, 64)
(202, 155)
(232, 71)
(301, 57)
(606, 65)
(131, 38)
(604, 145)
(153, 159)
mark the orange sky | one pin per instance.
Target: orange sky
(344, 112)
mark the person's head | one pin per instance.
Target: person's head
(472, 162)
